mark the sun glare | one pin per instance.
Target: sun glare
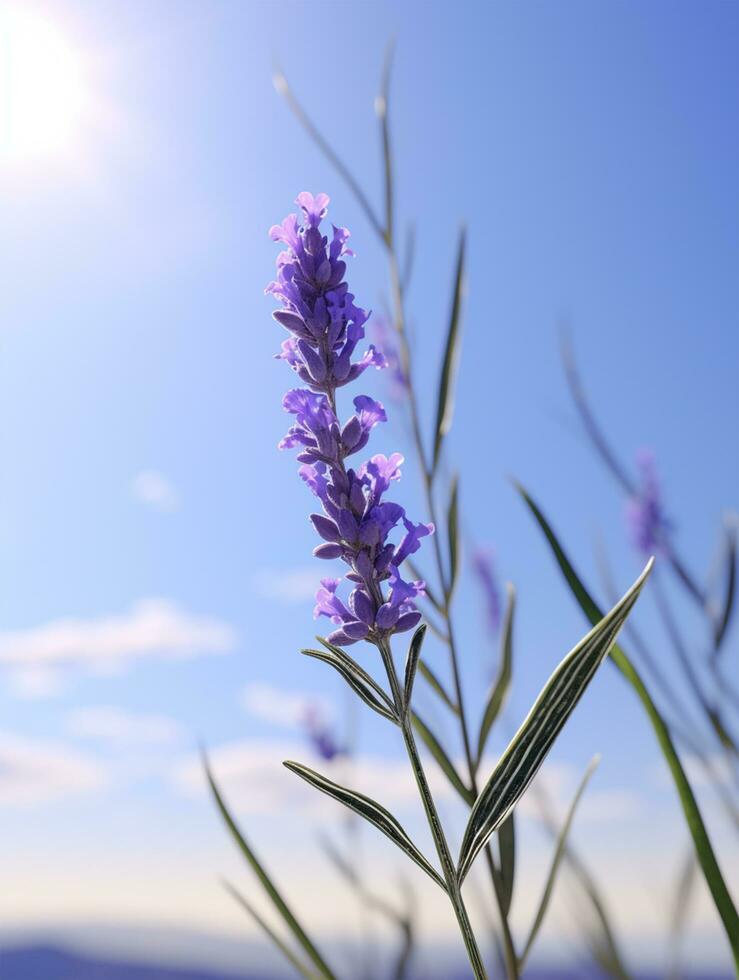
(43, 95)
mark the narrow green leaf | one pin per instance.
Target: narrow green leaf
(724, 617)
(445, 764)
(271, 890)
(358, 679)
(502, 683)
(559, 853)
(434, 682)
(507, 848)
(704, 850)
(276, 940)
(521, 760)
(382, 106)
(414, 653)
(372, 811)
(452, 523)
(445, 399)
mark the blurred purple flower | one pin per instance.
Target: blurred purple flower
(388, 342)
(482, 563)
(645, 515)
(325, 328)
(320, 734)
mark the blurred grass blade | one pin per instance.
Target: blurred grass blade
(704, 850)
(559, 853)
(445, 398)
(433, 681)
(283, 88)
(507, 848)
(724, 617)
(499, 690)
(414, 654)
(372, 811)
(445, 764)
(276, 941)
(275, 897)
(382, 107)
(527, 750)
(452, 523)
(358, 679)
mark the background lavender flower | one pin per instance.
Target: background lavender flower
(482, 563)
(321, 735)
(645, 516)
(397, 381)
(356, 521)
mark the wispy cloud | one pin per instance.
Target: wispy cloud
(121, 728)
(154, 489)
(251, 774)
(153, 628)
(286, 709)
(34, 771)
(287, 585)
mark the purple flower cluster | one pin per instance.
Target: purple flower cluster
(356, 522)
(645, 510)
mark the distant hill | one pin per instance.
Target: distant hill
(55, 963)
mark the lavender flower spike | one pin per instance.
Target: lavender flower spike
(645, 511)
(356, 522)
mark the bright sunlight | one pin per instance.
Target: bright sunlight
(43, 96)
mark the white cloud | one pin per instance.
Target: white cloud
(152, 628)
(117, 727)
(252, 776)
(35, 771)
(34, 683)
(153, 488)
(286, 585)
(287, 709)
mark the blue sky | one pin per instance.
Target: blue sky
(592, 151)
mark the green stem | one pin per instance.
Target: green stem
(437, 832)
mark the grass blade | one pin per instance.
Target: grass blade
(445, 763)
(414, 654)
(507, 848)
(433, 681)
(372, 811)
(527, 750)
(276, 940)
(358, 679)
(445, 399)
(559, 853)
(452, 523)
(275, 897)
(499, 690)
(724, 617)
(704, 850)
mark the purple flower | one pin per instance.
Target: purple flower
(320, 735)
(387, 340)
(355, 522)
(482, 563)
(644, 511)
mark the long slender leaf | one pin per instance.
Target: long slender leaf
(358, 680)
(452, 523)
(414, 654)
(372, 811)
(382, 107)
(559, 853)
(445, 763)
(521, 760)
(445, 399)
(276, 940)
(704, 849)
(499, 690)
(727, 609)
(507, 848)
(438, 687)
(271, 890)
